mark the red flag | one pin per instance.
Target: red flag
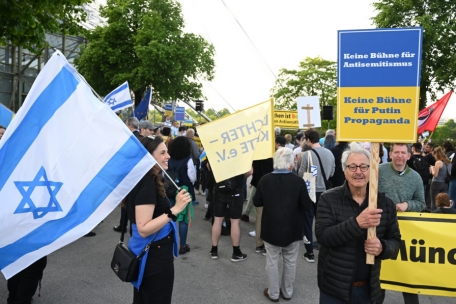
(429, 117)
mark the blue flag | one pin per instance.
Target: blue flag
(66, 161)
(120, 98)
(143, 107)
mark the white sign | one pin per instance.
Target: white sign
(308, 112)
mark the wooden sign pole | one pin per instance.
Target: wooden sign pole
(373, 192)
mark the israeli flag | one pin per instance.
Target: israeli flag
(66, 161)
(120, 98)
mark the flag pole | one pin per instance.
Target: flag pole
(150, 100)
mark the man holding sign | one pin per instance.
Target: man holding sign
(341, 228)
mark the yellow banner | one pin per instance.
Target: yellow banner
(286, 119)
(234, 141)
(377, 114)
(426, 263)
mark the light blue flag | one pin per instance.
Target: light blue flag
(6, 115)
(120, 98)
(66, 161)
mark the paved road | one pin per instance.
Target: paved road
(81, 273)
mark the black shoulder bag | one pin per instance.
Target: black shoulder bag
(328, 184)
(124, 262)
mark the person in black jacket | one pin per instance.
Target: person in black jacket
(341, 229)
(283, 197)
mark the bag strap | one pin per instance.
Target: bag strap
(124, 225)
(321, 166)
(309, 161)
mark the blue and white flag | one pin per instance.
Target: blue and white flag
(120, 98)
(65, 163)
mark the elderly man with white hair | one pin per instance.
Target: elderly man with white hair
(283, 197)
(343, 218)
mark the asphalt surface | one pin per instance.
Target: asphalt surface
(81, 273)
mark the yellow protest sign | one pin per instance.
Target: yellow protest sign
(286, 119)
(234, 141)
(426, 263)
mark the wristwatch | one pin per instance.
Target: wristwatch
(171, 215)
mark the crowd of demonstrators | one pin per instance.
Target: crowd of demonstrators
(182, 163)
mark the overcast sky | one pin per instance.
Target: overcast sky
(278, 34)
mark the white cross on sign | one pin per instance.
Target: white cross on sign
(308, 112)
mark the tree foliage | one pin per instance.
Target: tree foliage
(25, 22)
(144, 44)
(315, 76)
(438, 19)
(445, 132)
(209, 113)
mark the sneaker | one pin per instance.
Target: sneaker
(237, 258)
(206, 205)
(309, 257)
(214, 255)
(195, 203)
(184, 249)
(261, 250)
(245, 218)
(252, 233)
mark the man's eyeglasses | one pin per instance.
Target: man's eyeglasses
(354, 167)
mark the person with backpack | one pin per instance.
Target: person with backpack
(182, 170)
(420, 164)
(228, 199)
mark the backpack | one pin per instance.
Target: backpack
(422, 167)
(227, 185)
(170, 189)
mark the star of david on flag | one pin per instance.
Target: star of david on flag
(65, 163)
(120, 98)
(27, 188)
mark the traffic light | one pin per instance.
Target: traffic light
(199, 106)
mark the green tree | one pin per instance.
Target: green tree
(438, 68)
(315, 76)
(25, 22)
(144, 44)
(445, 132)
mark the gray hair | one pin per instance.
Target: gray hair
(330, 132)
(353, 147)
(134, 122)
(283, 159)
(190, 133)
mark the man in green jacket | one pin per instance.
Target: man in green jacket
(404, 187)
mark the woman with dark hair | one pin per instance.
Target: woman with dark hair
(439, 173)
(153, 221)
(182, 163)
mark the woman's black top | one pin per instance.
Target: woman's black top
(145, 193)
